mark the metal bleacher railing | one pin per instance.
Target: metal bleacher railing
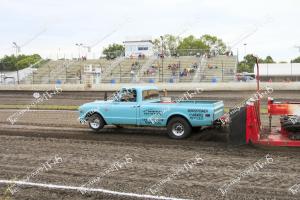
(179, 66)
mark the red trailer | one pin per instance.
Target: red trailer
(246, 127)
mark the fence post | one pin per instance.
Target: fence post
(66, 74)
(120, 73)
(222, 71)
(49, 74)
(18, 76)
(179, 71)
(80, 75)
(32, 77)
(162, 68)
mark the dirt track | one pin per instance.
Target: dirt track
(41, 135)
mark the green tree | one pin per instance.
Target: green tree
(247, 65)
(13, 63)
(28, 61)
(269, 59)
(296, 60)
(170, 43)
(113, 51)
(214, 43)
(8, 63)
(191, 42)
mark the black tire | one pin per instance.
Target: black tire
(180, 126)
(196, 129)
(93, 120)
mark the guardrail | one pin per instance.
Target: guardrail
(231, 86)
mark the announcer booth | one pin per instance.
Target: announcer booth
(138, 48)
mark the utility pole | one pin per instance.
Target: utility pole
(79, 49)
(18, 49)
(245, 45)
(162, 57)
(88, 48)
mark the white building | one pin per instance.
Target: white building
(140, 47)
(278, 71)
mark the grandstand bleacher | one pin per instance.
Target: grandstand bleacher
(148, 69)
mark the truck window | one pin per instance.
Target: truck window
(150, 94)
(128, 95)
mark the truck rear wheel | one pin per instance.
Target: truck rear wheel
(178, 128)
(96, 122)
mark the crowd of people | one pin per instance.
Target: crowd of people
(186, 72)
(151, 70)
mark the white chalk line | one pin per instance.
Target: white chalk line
(52, 186)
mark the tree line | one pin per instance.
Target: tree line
(13, 63)
(174, 45)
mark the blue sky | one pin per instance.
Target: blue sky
(53, 27)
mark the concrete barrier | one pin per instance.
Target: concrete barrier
(231, 86)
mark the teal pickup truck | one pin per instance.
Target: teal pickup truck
(143, 106)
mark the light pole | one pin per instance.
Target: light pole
(58, 54)
(18, 49)
(88, 48)
(245, 45)
(79, 48)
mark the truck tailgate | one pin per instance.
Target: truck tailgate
(216, 106)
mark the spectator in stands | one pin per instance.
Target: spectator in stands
(132, 66)
(195, 65)
(173, 71)
(191, 70)
(181, 74)
(185, 72)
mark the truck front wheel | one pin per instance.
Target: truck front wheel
(96, 122)
(178, 128)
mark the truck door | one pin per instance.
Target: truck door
(125, 109)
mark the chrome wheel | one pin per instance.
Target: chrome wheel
(178, 129)
(95, 123)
